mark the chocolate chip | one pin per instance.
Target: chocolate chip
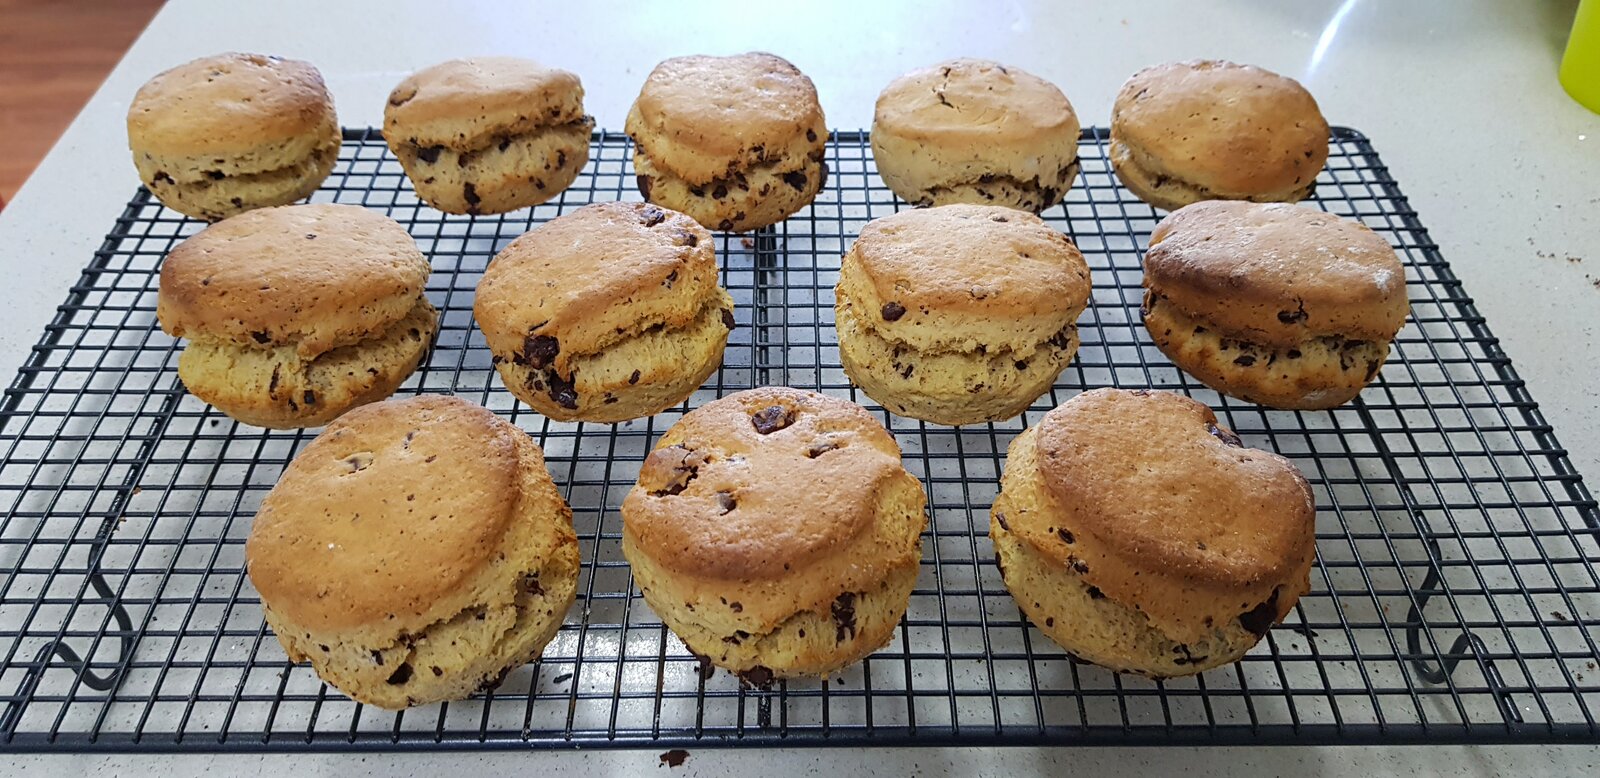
(644, 183)
(1258, 620)
(1096, 594)
(436, 670)
(323, 647)
(492, 681)
(161, 177)
(377, 657)
(905, 370)
(796, 179)
(633, 379)
(261, 336)
(1244, 360)
(1001, 219)
(1001, 518)
(771, 419)
(1022, 365)
(1225, 435)
(1293, 353)
(738, 636)
(727, 318)
(671, 277)
(650, 216)
(706, 668)
(685, 238)
(539, 351)
(819, 448)
(844, 616)
(1290, 317)
(725, 225)
(720, 192)
(727, 502)
(674, 758)
(1050, 621)
(1372, 368)
(1066, 536)
(530, 584)
(430, 154)
(811, 136)
(400, 675)
(736, 606)
(892, 311)
(561, 159)
(310, 398)
(685, 470)
(563, 392)
(758, 677)
(470, 193)
(272, 386)
(1078, 566)
(215, 175)
(1063, 338)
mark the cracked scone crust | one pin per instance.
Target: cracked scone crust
(609, 313)
(297, 313)
(225, 134)
(488, 134)
(752, 566)
(736, 142)
(1278, 304)
(974, 131)
(959, 314)
(1183, 132)
(415, 552)
(1141, 536)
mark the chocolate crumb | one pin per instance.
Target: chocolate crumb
(1225, 435)
(674, 758)
(758, 677)
(727, 318)
(771, 419)
(561, 159)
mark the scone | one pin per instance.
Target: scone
(415, 552)
(959, 314)
(974, 131)
(609, 313)
(1143, 537)
(776, 533)
(1212, 130)
(737, 143)
(1278, 304)
(224, 134)
(298, 313)
(488, 134)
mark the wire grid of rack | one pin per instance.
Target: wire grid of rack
(1455, 596)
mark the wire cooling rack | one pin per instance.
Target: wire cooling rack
(1455, 596)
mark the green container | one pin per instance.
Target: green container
(1580, 68)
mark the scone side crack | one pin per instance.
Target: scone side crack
(1355, 356)
(463, 149)
(967, 347)
(1130, 160)
(1037, 195)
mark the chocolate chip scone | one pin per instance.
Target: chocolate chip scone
(737, 143)
(753, 566)
(488, 134)
(1142, 536)
(974, 131)
(959, 314)
(298, 313)
(415, 552)
(1183, 132)
(1278, 304)
(609, 313)
(224, 134)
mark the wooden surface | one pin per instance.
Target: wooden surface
(53, 56)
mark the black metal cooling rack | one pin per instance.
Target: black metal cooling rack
(1455, 597)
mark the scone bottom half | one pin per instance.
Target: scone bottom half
(754, 570)
(1134, 579)
(415, 552)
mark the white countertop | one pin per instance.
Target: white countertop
(1460, 99)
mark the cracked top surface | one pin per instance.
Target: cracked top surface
(1276, 273)
(975, 101)
(767, 484)
(592, 278)
(389, 517)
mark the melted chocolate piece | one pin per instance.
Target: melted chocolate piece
(892, 311)
(844, 616)
(1258, 620)
(539, 351)
(401, 675)
(771, 419)
(1224, 435)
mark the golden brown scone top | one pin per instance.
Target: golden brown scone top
(387, 514)
(1278, 273)
(316, 276)
(1233, 129)
(593, 277)
(773, 486)
(459, 103)
(948, 272)
(704, 117)
(1160, 505)
(228, 104)
(974, 101)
